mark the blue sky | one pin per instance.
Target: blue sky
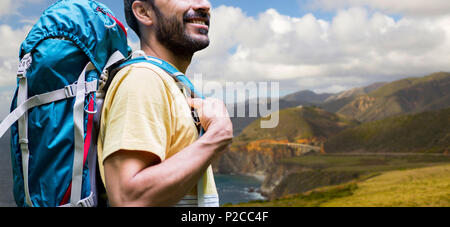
(255, 7)
(252, 8)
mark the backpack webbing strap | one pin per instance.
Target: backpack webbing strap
(115, 58)
(78, 120)
(87, 202)
(22, 95)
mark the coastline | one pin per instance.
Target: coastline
(259, 176)
(238, 188)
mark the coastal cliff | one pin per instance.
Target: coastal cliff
(257, 157)
(287, 178)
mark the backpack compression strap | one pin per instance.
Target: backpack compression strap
(80, 158)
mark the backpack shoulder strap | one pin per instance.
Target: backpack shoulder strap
(178, 76)
(171, 70)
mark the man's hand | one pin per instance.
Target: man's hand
(215, 119)
(140, 178)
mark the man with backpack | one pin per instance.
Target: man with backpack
(150, 150)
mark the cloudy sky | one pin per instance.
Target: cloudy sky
(320, 45)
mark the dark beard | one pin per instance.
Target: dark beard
(170, 32)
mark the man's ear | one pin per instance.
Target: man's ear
(143, 13)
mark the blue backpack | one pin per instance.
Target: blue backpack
(63, 59)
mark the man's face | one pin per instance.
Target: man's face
(183, 25)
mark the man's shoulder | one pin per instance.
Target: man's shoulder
(149, 74)
(140, 74)
(143, 68)
(139, 80)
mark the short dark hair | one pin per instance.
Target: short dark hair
(129, 15)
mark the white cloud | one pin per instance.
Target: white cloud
(405, 7)
(11, 38)
(9, 61)
(6, 96)
(6, 7)
(9, 52)
(355, 48)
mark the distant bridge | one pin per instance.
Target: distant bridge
(298, 148)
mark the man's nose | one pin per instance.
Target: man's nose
(203, 5)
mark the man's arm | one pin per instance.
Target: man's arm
(136, 178)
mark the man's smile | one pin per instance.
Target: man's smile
(198, 22)
(198, 19)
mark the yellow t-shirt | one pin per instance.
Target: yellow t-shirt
(146, 111)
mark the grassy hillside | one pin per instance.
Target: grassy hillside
(336, 102)
(420, 187)
(428, 132)
(410, 83)
(297, 123)
(304, 173)
(411, 188)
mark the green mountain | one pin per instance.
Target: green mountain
(335, 102)
(297, 123)
(427, 132)
(306, 98)
(374, 102)
(407, 96)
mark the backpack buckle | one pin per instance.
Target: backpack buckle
(24, 65)
(23, 141)
(68, 91)
(196, 118)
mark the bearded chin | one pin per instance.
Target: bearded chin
(172, 35)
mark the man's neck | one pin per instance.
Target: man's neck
(155, 49)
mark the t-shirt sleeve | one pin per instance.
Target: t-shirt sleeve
(139, 118)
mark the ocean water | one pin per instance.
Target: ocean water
(235, 188)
